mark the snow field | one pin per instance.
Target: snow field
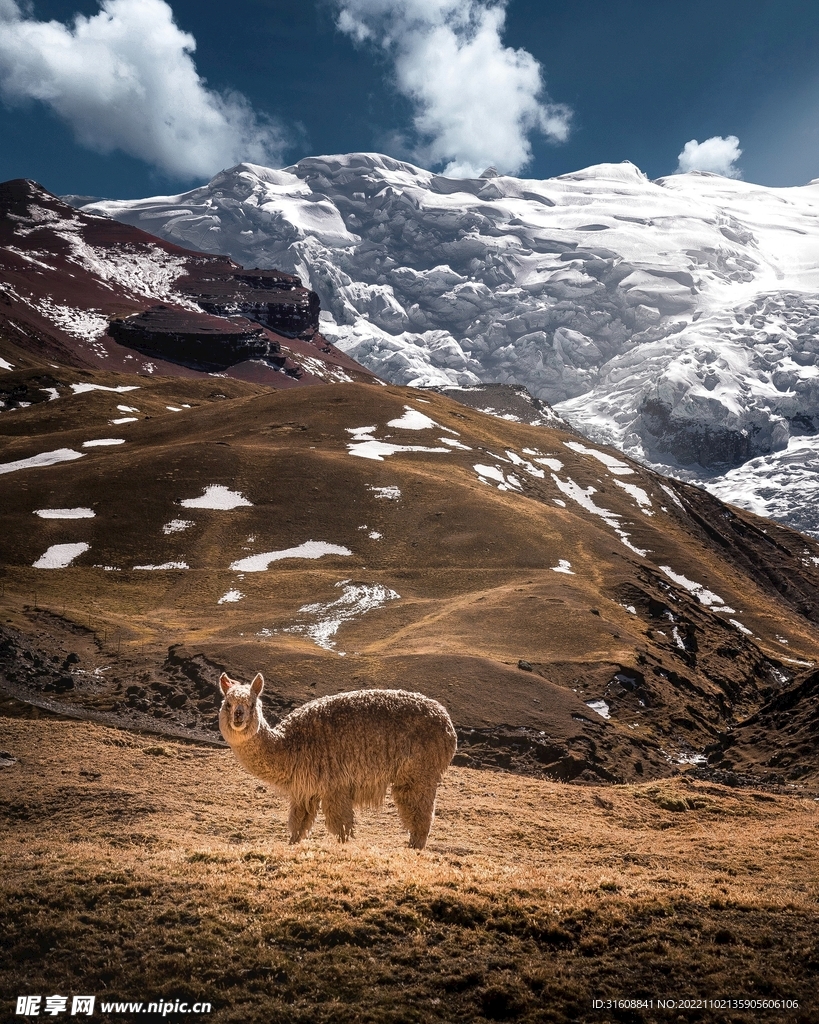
(310, 549)
(323, 620)
(563, 566)
(60, 556)
(614, 465)
(217, 496)
(366, 446)
(64, 513)
(82, 389)
(583, 498)
(44, 459)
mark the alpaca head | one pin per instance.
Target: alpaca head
(240, 712)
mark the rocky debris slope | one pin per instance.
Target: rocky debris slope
(86, 291)
(676, 319)
(581, 616)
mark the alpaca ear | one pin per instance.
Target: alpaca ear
(225, 682)
(257, 685)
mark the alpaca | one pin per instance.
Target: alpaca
(343, 752)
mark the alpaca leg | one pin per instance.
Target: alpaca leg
(338, 812)
(301, 819)
(416, 809)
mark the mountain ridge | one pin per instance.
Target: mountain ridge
(676, 319)
(90, 292)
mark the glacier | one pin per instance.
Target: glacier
(676, 319)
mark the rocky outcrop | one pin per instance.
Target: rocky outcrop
(194, 339)
(270, 297)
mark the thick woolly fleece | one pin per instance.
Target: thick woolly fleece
(342, 752)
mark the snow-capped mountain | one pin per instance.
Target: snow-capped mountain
(677, 319)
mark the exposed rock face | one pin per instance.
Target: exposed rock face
(271, 297)
(201, 342)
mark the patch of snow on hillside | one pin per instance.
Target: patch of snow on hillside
(390, 493)
(6, 365)
(505, 483)
(361, 433)
(144, 270)
(325, 371)
(217, 496)
(740, 627)
(310, 549)
(165, 565)
(583, 498)
(44, 459)
(86, 324)
(415, 420)
(81, 389)
(673, 495)
(176, 526)
(64, 513)
(615, 466)
(60, 556)
(122, 419)
(600, 706)
(357, 599)
(231, 597)
(525, 465)
(705, 596)
(454, 443)
(563, 566)
(639, 495)
(379, 450)
(103, 442)
(126, 408)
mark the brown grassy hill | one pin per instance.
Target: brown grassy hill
(533, 582)
(145, 871)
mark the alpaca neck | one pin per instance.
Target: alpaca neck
(262, 753)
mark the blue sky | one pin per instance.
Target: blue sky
(149, 96)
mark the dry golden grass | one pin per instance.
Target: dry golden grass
(137, 870)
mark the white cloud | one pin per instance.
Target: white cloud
(125, 79)
(716, 154)
(477, 101)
